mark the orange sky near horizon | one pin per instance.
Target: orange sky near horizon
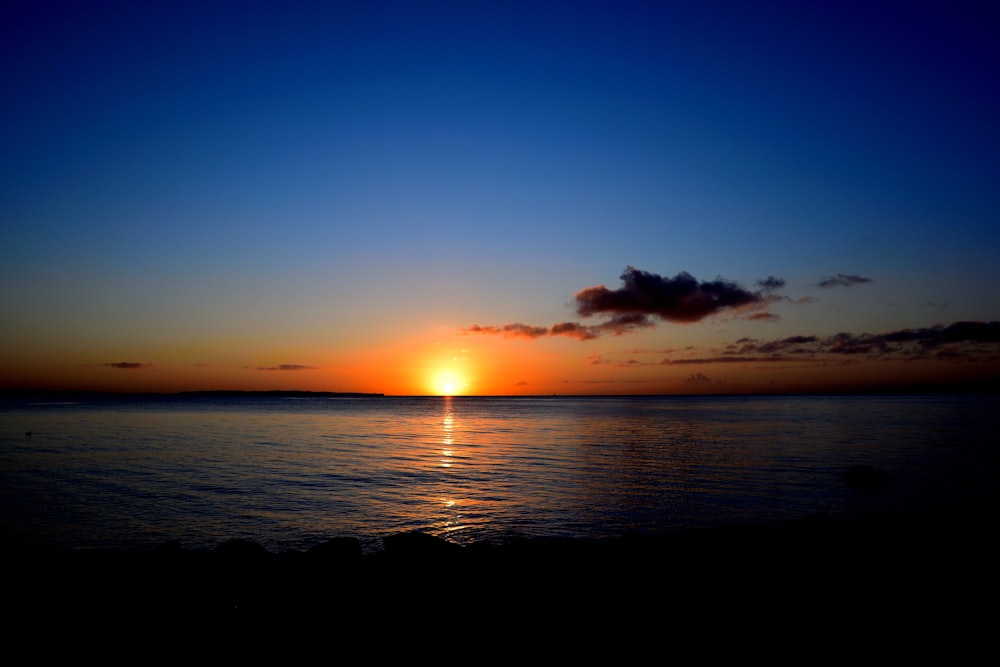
(461, 364)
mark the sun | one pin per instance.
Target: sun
(448, 383)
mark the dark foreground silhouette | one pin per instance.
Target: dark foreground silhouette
(806, 592)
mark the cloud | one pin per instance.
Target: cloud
(959, 341)
(644, 297)
(678, 299)
(604, 381)
(598, 360)
(615, 326)
(516, 330)
(624, 323)
(128, 365)
(287, 367)
(573, 330)
(842, 280)
(770, 283)
(711, 360)
(699, 382)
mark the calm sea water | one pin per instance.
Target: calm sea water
(289, 473)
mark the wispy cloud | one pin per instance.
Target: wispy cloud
(598, 360)
(604, 381)
(771, 283)
(128, 365)
(842, 280)
(615, 326)
(287, 367)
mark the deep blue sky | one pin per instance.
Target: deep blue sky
(190, 192)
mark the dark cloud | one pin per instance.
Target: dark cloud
(959, 341)
(931, 337)
(711, 360)
(643, 297)
(842, 280)
(639, 350)
(599, 360)
(678, 299)
(573, 330)
(128, 365)
(287, 367)
(792, 344)
(770, 283)
(624, 323)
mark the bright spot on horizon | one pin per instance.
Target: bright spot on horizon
(448, 383)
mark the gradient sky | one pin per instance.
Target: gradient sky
(517, 198)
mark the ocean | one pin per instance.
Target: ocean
(127, 473)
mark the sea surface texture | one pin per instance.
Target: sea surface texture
(130, 473)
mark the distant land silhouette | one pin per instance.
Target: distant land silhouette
(277, 393)
(271, 392)
(980, 386)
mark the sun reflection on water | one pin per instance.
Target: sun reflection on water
(448, 425)
(450, 506)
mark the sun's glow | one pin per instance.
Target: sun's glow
(448, 383)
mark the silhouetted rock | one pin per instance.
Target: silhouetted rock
(866, 477)
(749, 587)
(415, 544)
(338, 549)
(169, 549)
(243, 552)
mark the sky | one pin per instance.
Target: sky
(499, 198)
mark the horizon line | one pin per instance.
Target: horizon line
(990, 386)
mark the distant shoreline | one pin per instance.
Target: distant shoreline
(277, 393)
(271, 392)
(986, 387)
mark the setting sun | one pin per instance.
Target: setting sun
(448, 384)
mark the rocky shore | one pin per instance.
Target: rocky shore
(886, 587)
